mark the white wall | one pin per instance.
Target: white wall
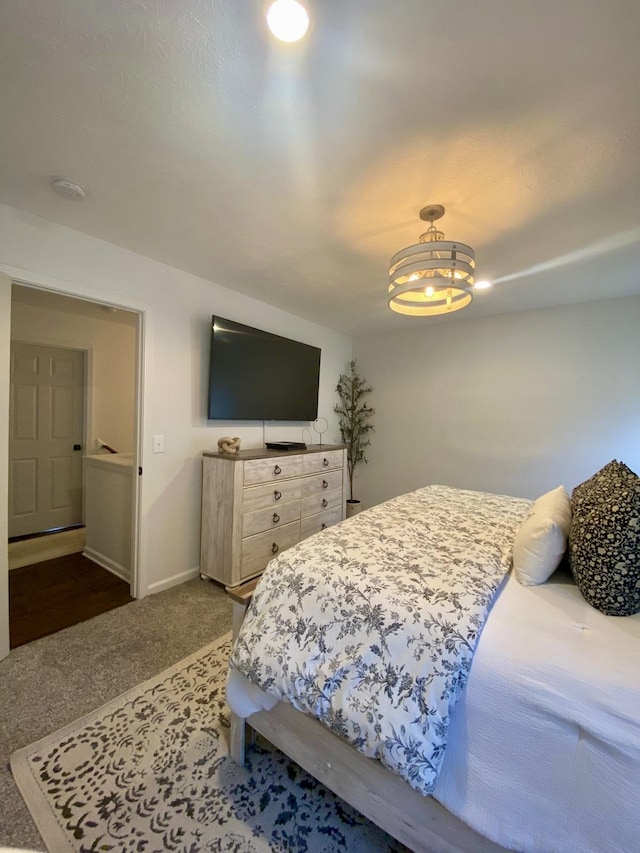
(112, 349)
(178, 307)
(514, 404)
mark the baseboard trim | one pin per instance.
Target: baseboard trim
(108, 564)
(175, 580)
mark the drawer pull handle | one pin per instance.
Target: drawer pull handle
(277, 469)
(325, 485)
(325, 502)
(277, 495)
(323, 526)
(276, 518)
(325, 462)
(274, 548)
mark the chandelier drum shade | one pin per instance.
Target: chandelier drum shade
(435, 276)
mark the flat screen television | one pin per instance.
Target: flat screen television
(258, 376)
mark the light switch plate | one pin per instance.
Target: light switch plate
(158, 444)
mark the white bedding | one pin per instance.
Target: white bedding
(544, 745)
(544, 749)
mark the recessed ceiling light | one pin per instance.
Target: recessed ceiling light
(288, 20)
(68, 189)
(482, 285)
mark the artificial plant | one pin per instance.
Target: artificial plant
(354, 418)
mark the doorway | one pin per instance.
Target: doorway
(74, 389)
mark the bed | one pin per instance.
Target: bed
(534, 747)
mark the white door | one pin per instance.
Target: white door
(46, 414)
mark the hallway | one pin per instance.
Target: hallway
(55, 594)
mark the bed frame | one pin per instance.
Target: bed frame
(419, 822)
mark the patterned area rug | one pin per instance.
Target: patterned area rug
(150, 771)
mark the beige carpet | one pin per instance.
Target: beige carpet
(150, 771)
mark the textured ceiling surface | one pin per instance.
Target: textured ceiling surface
(293, 172)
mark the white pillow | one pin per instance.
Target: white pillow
(542, 538)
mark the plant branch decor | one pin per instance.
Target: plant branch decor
(354, 415)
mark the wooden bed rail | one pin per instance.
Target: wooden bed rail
(419, 822)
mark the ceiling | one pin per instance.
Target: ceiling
(292, 173)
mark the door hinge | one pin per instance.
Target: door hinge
(140, 471)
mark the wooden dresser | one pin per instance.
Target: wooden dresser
(258, 502)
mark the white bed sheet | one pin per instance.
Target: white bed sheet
(544, 745)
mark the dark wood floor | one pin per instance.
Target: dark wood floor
(49, 596)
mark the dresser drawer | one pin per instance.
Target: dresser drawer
(274, 468)
(270, 495)
(328, 482)
(259, 549)
(270, 518)
(320, 502)
(313, 463)
(316, 523)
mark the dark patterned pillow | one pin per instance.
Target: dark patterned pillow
(584, 495)
(604, 541)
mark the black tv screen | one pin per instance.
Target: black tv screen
(257, 376)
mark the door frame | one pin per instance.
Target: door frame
(5, 355)
(139, 569)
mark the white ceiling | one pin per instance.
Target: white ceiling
(293, 172)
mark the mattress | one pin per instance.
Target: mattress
(544, 745)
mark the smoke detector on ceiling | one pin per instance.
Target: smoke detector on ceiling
(68, 189)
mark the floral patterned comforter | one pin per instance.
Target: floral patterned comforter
(371, 625)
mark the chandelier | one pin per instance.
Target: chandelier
(433, 277)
